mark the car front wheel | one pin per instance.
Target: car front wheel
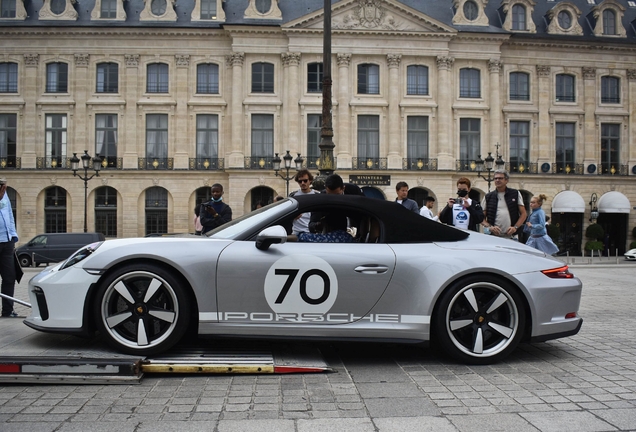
(142, 309)
(480, 320)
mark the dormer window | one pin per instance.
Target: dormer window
(609, 22)
(565, 20)
(112, 10)
(519, 15)
(12, 9)
(158, 7)
(208, 10)
(471, 10)
(609, 19)
(58, 10)
(58, 6)
(263, 9)
(158, 10)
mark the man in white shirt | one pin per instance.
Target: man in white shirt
(304, 178)
(427, 208)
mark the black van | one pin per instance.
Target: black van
(54, 247)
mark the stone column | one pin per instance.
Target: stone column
(291, 121)
(546, 129)
(494, 101)
(631, 108)
(182, 150)
(591, 132)
(82, 139)
(132, 129)
(394, 159)
(28, 115)
(343, 137)
(236, 155)
(443, 149)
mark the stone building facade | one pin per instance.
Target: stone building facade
(179, 95)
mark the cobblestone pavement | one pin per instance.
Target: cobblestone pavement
(582, 383)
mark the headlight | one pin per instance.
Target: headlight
(81, 254)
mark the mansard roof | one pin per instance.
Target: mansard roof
(438, 12)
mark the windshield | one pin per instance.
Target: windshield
(254, 218)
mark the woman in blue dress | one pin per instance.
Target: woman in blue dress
(539, 238)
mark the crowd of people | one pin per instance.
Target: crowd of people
(501, 213)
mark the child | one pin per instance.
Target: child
(539, 238)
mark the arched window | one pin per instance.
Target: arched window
(156, 210)
(207, 78)
(368, 79)
(261, 195)
(519, 86)
(469, 83)
(609, 22)
(8, 76)
(417, 80)
(157, 78)
(565, 19)
(106, 211)
(55, 210)
(565, 88)
(518, 17)
(471, 10)
(262, 77)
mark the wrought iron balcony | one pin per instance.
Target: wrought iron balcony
(463, 165)
(112, 162)
(369, 163)
(522, 167)
(211, 164)
(155, 163)
(56, 162)
(567, 168)
(613, 169)
(419, 164)
(259, 162)
(10, 162)
(313, 162)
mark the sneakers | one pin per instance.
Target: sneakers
(13, 314)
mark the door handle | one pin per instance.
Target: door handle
(372, 269)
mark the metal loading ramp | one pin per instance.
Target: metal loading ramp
(28, 356)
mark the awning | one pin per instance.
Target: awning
(568, 202)
(614, 202)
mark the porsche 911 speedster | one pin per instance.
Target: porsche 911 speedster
(402, 278)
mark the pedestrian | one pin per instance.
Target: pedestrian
(536, 227)
(328, 227)
(333, 186)
(462, 211)
(427, 208)
(8, 239)
(215, 212)
(402, 190)
(197, 220)
(304, 178)
(504, 211)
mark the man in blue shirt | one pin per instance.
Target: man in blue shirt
(8, 239)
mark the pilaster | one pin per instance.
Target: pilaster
(237, 156)
(443, 148)
(590, 135)
(133, 139)
(344, 158)
(394, 159)
(181, 119)
(494, 101)
(29, 116)
(290, 108)
(545, 128)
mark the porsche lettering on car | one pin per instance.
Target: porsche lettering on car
(403, 278)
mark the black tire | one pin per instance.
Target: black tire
(142, 309)
(25, 260)
(480, 320)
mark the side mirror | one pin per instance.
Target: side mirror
(269, 236)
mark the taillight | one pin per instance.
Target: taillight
(558, 273)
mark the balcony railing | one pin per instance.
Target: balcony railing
(419, 164)
(567, 168)
(10, 162)
(155, 163)
(463, 165)
(313, 162)
(522, 168)
(57, 162)
(613, 169)
(369, 163)
(112, 162)
(259, 162)
(211, 164)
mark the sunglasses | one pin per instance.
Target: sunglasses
(302, 180)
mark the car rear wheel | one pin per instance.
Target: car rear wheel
(480, 320)
(25, 260)
(142, 309)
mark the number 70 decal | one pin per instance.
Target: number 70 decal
(301, 283)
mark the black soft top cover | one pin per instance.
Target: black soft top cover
(398, 224)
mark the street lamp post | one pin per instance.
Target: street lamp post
(86, 162)
(479, 165)
(287, 159)
(593, 208)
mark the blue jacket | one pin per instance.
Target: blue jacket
(7, 224)
(537, 219)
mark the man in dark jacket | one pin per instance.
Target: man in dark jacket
(462, 212)
(504, 209)
(215, 212)
(402, 191)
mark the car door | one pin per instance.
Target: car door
(317, 283)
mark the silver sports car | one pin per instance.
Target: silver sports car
(402, 277)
